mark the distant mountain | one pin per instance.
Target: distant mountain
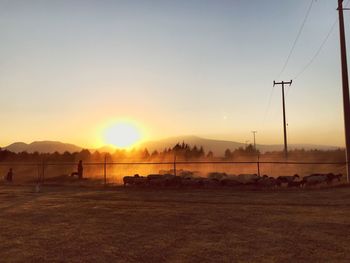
(43, 147)
(218, 147)
(16, 147)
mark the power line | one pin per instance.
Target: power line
(268, 105)
(297, 38)
(313, 58)
(317, 52)
(311, 61)
(288, 57)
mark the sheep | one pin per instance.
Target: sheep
(163, 180)
(315, 179)
(230, 182)
(248, 178)
(286, 179)
(191, 182)
(134, 180)
(210, 182)
(332, 177)
(295, 184)
(266, 181)
(216, 175)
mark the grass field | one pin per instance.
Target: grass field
(89, 224)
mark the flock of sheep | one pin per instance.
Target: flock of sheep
(187, 178)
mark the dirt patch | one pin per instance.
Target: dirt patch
(143, 225)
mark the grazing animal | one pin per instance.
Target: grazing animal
(315, 179)
(286, 179)
(295, 184)
(134, 180)
(191, 182)
(184, 173)
(154, 176)
(210, 182)
(163, 180)
(230, 182)
(248, 178)
(266, 181)
(216, 175)
(332, 177)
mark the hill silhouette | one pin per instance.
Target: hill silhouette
(218, 147)
(43, 147)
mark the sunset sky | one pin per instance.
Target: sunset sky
(70, 68)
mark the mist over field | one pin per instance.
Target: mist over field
(28, 167)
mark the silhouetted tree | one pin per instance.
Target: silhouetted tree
(83, 155)
(154, 154)
(210, 155)
(145, 154)
(228, 154)
(96, 156)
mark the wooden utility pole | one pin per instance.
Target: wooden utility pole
(345, 84)
(175, 164)
(105, 170)
(254, 132)
(284, 114)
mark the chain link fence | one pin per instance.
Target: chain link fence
(113, 172)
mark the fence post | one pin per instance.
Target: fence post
(39, 174)
(175, 164)
(43, 172)
(105, 170)
(258, 164)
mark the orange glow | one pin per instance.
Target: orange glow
(122, 134)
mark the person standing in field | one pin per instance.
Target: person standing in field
(80, 169)
(9, 176)
(79, 173)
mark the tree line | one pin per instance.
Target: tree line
(182, 151)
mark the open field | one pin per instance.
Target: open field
(89, 224)
(29, 173)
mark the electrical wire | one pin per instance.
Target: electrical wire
(268, 106)
(296, 39)
(319, 49)
(312, 59)
(317, 52)
(288, 58)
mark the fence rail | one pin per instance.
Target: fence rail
(112, 172)
(160, 163)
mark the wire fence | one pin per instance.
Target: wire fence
(113, 172)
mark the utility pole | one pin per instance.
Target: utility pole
(105, 170)
(345, 84)
(254, 132)
(284, 114)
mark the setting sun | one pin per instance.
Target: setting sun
(122, 134)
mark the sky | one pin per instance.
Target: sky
(70, 68)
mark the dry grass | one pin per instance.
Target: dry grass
(75, 224)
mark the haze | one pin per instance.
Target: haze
(173, 67)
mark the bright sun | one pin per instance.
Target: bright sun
(122, 134)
